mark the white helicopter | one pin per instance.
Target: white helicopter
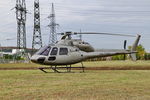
(70, 51)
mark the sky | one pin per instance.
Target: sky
(107, 16)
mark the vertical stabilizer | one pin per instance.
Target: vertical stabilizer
(135, 44)
(133, 49)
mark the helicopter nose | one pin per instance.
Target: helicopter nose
(38, 59)
(33, 59)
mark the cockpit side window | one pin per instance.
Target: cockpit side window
(63, 51)
(54, 51)
(44, 51)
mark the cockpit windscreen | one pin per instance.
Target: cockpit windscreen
(44, 51)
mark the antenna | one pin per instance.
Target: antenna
(37, 38)
(52, 25)
(21, 23)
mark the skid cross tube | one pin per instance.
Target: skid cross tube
(55, 68)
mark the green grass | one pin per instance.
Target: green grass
(89, 64)
(91, 85)
(126, 63)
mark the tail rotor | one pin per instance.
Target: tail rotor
(125, 45)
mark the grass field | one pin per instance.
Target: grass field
(91, 85)
(87, 64)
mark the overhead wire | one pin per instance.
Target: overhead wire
(84, 12)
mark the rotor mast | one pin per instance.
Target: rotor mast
(21, 23)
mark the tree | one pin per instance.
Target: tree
(118, 57)
(141, 52)
(147, 56)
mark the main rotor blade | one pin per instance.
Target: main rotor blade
(105, 34)
(66, 33)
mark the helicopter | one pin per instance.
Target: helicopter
(70, 51)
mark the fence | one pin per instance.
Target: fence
(4, 61)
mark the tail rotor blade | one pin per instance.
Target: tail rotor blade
(125, 44)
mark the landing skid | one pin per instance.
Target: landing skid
(56, 69)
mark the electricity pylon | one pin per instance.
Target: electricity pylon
(21, 23)
(37, 38)
(52, 25)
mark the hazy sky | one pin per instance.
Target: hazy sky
(113, 16)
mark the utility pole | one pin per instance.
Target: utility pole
(37, 38)
(21, 23)
(52, 25)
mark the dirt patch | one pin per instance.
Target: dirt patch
(87, 68)
(29, 68)
(117, 68)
